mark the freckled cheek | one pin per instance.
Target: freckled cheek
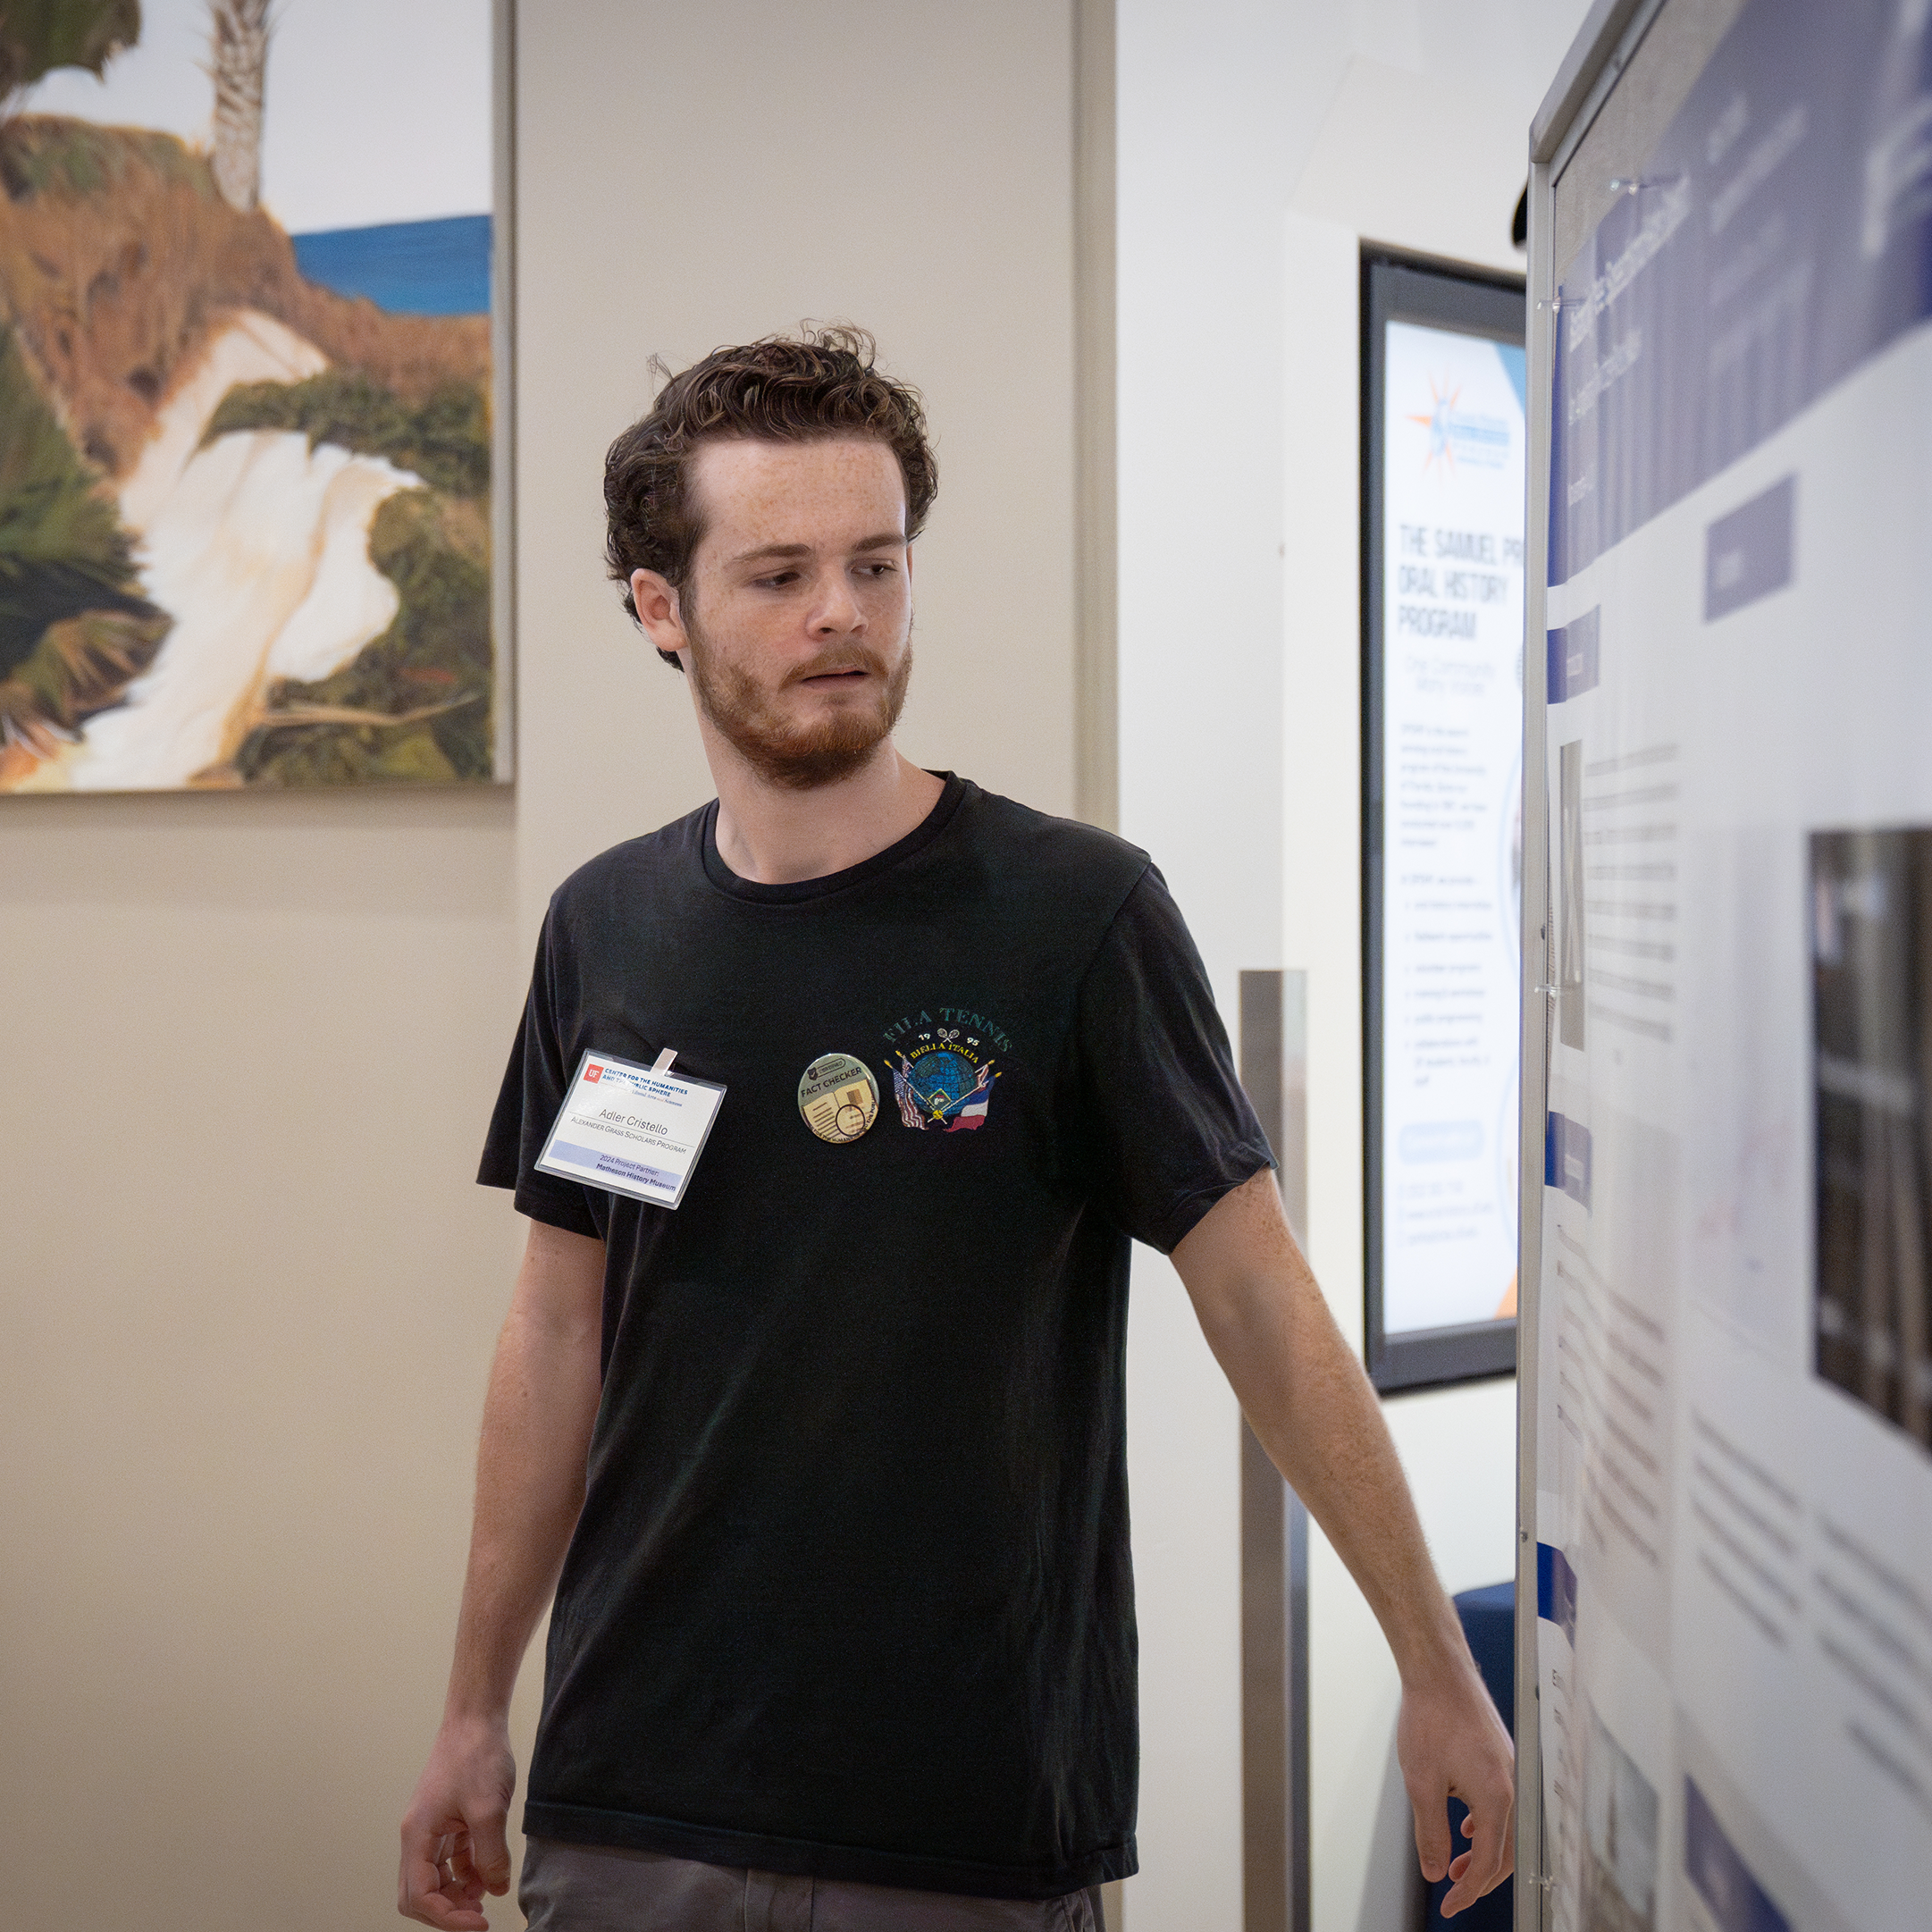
(887, 603)
(771, 625)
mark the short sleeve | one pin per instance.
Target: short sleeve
(532, 1091)
(1167, 1129)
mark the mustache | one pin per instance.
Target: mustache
(852, 658)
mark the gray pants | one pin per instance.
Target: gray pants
(584, 1888)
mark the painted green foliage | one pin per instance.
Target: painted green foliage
(445, 440)
(73, 626)
(430, 672)
(37, 36)
(75, 158)
(61, 548)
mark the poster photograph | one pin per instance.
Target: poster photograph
(1620, 1813)
(1871, 916)
(246, 450)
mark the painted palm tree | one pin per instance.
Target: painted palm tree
(238, 63)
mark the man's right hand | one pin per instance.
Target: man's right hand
(453, 1846)
(544, 1387)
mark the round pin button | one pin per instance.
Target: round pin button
(839, 1098)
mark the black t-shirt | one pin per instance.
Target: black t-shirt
(850, 1594)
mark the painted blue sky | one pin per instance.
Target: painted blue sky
(377, 110)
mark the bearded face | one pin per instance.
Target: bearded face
(811, 725)
(795, 616)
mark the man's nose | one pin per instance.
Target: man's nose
(838, 613)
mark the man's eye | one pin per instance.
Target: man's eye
(777, 581)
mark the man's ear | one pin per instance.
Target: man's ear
(656, 599)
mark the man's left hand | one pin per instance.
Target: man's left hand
(1302, 1389)
(1452, 1744)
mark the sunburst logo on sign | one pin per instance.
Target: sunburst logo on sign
(1457, 436)
(1437, 423)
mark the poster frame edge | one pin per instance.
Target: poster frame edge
(503, 391)
(1583, 83)
(1532, 1893)
(1585, 75)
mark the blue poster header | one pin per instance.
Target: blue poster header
(1727, 289)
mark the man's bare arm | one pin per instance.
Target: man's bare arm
(1308, 1400)
(536, 1434)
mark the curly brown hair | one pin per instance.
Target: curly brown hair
(777, 389)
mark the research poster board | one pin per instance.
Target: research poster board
(1446, 380)
(1733, 1369)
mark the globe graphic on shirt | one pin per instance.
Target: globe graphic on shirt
(944, 1076)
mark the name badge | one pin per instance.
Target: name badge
(632, 1129)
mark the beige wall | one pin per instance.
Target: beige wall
(249, 1292)
(696, 175)
(244, 1345)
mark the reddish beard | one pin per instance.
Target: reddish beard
(800, 757)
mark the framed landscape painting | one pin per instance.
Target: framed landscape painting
(249, 531)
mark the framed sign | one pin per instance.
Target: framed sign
(1443, 431)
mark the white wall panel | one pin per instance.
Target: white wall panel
(1258, 145)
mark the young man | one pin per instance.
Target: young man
(825, 1464)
